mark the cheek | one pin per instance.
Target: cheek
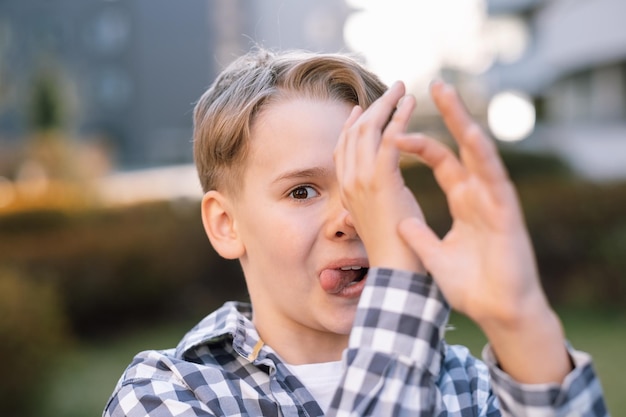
(275, 231)
(295, 236)
(291, 232)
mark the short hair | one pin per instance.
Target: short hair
(225, 113)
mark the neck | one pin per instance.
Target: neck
(301, 346)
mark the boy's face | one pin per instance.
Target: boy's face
(296, 233)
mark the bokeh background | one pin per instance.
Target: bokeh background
(102, 251)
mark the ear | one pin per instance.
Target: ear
(220, 226)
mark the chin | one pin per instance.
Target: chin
(342, 322)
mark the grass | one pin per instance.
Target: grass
(84, 379)
(86, 376)
(599, 333)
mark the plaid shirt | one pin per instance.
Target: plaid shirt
(397, 364)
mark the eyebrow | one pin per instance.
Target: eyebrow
(315, 172)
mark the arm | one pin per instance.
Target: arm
(390, 371)
(394, 355)
(493, 278)
(394, 359)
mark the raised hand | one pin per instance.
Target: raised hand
(485, 264)
(372, 187)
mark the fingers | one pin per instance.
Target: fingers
(366, 133)
(359, 145)
(477, 150)
(401, 117)
(388, 152)
(343, 164)
(452, 109)
(378, 114)
(446, 167)
(421, 239)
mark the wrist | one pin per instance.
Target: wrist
(397, 258)
(516, 315)
(530, 345)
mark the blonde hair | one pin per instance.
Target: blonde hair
(225, 113)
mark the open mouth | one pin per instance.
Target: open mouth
(336, 281)
(353, 274)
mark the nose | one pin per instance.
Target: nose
(341, 225)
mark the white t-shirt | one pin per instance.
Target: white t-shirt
(321, 379)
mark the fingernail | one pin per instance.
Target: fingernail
(394, 86)
(435, 82)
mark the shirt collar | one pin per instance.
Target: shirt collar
(232, 320)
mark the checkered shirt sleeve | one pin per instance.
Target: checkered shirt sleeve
(399, 365)
(394, 354)
(580, 394)
(149, 388)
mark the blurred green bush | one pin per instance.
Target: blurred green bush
(114, 267)
(33, 330)
(117, 267)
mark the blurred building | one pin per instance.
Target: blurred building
(129, 72)
(574, 67)
(278, 24)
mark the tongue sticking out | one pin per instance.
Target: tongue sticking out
(334, 280)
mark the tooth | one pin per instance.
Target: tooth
(347, 268)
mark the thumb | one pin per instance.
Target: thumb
(420, 238)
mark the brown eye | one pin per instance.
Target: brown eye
(303, 193)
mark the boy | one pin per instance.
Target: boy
(298, 156)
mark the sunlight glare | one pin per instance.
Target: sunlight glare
(511, 116)
(411, 40)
